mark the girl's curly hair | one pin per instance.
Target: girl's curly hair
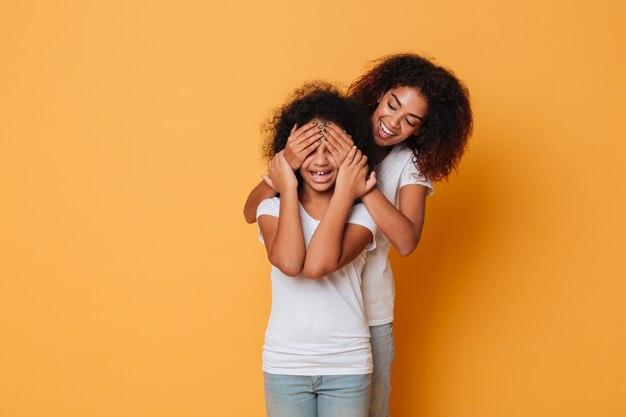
(442, 139)
(321, 100)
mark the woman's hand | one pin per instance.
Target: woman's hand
(280, 175)
(352, 179)
(301, 142)
(338, 141)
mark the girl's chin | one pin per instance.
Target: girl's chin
(320, 188)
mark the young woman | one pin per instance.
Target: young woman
(317, 357)
(421, 120)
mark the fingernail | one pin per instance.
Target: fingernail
(319, 141)
(321, 133)
(314, 123)
(328, 123)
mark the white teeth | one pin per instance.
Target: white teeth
(385, 130)
(321, 172)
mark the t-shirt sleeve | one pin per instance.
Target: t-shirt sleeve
(411, 175)
(269, 207)
(359, 215)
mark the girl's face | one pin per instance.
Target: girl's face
(319, 169)
(399, 114)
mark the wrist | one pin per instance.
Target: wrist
(291, 191)
(344, 195)
(294, 165)
(370, 195)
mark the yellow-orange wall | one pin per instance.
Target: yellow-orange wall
(129, 138)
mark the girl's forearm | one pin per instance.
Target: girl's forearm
(325, 251)
(403, 233)
(258, 194)
(288, 249)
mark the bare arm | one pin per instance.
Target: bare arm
(403, 227)
(283, 237)
(258, 194)
(335, 243)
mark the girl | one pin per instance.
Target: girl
(316, 357)
(421, 120)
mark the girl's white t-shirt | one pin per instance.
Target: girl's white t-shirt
(392, 173)
(318, 326)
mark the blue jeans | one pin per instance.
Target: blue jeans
(382, 353)
(317, 396)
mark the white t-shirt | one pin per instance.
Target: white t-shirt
(392, 173)
(318, 326)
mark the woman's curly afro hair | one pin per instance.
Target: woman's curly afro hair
(318, 100)
(442, 139)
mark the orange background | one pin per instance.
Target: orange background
(129, 138)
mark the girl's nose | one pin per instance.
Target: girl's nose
(321, 154)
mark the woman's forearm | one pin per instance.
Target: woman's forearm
(258, 194)
(403, 232)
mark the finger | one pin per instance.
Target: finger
(306, 130)
(305, 143)
(336, 142)
(274, 161)
(292, 136)
(357, 156)
(268, 181)
(350, 156)
(363, 162)
(310, 134)
(334, 151)
(310, 148)
(341, 134)
(371, 182)
(296, 131)
(307, 139)
(281, 158)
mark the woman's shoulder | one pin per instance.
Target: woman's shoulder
(400, 156)
(402, 150)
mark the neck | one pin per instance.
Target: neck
(310, 195)
(315, 202)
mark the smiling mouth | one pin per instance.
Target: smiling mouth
(321, 176)
(385, 132)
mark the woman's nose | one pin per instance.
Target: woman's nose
(395, 120)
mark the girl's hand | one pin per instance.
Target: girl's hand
(267, 180)
(301, 142)
(352, 178)
(280, 175)
(338, 141)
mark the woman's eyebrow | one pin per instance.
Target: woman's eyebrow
(400, 104)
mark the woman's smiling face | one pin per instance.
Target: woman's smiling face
(399, 114)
